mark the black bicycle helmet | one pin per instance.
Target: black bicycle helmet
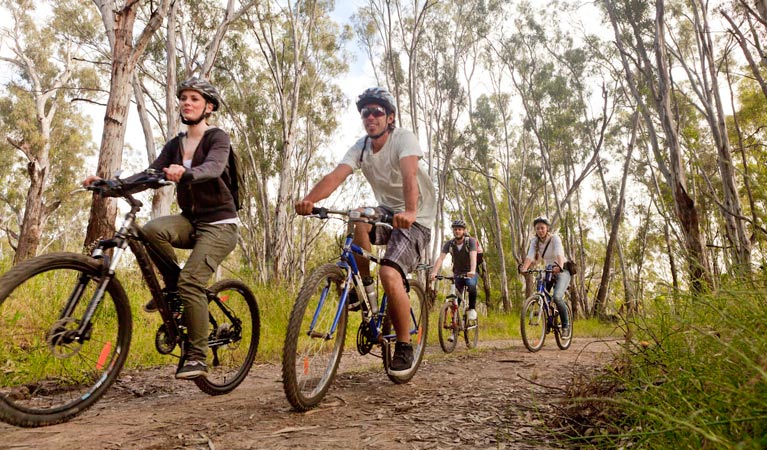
(458, 223)
(203, 87)
(378, 96)
(541, 219)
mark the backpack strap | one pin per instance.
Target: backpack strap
(234, 179)
(544, 249)
(364, 146)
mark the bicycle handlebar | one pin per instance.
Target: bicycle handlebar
(368, 215)
(447, 277)
(117, 187)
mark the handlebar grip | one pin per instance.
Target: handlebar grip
(386, 218)
(320, 212)
(106, 188)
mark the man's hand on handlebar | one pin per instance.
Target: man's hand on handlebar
(304, 207)
(404, 219)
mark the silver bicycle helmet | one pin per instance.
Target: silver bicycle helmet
(458, 223)
(378, 96)
(541, 219)
(203, 87)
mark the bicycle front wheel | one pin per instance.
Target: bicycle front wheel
(419, 327)
(471, 332)
(235, 327)
(448, 331)
(312, 350)
(51, 371)
(563, 343)
(532, 322)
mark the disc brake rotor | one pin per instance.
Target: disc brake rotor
(63, 341)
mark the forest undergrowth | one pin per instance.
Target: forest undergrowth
(692, 374)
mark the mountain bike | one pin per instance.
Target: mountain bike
(453, 320)
(317, 327)
(65, 323)
(540, 316)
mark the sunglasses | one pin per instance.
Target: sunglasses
(376, 112)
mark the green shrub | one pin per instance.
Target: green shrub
(693, 375)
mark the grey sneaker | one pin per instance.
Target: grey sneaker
(191, 370)
(402, 360)
(565, 332)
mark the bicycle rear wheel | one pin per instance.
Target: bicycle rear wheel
(471, 332)
(448, 333)
(311, 353)
(50, 373)
(532, 322)
(235, 328)
(563, 343)
(419, 328)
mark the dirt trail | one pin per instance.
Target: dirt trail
(487, 399)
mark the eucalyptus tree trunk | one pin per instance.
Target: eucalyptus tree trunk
(125, 53)
(498, 243)
(705, 84)
(287, 72)
(687, 212)
(659, 84)
(46, 93)
(162, 197)
(600, 302)
(36, 208)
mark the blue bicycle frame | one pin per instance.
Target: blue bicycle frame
(373, 317)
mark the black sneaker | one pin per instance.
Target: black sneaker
(150, 306)
(191, 370)
(402, 361)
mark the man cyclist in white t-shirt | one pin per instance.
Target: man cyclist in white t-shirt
(548, 247)
(389, 159)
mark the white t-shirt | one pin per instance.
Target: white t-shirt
(555, 248)
(382, 170)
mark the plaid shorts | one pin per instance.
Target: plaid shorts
(405, 247)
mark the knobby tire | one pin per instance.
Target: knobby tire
(235, 327)
(447, 327)
(53, 378)
(471, 332)
(532, 322)
(419, 306)
(309, 363)
(563, 343)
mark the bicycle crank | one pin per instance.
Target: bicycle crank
(364, 343)
(163, 341)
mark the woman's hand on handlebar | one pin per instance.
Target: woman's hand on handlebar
(90, 179)
(174, 172)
